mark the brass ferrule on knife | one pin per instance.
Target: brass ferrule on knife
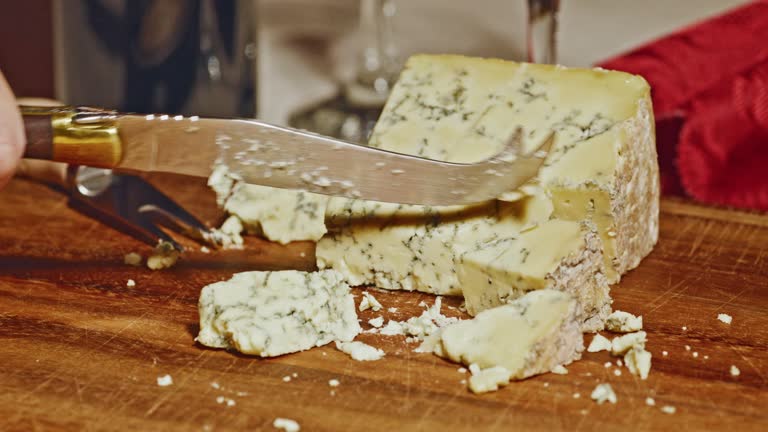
(82, 136)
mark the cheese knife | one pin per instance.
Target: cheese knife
(264, 154)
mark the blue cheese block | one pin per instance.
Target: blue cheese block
(271, 313)
(603, 165)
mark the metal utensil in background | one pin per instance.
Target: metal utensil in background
(124, 202)
(542, 31)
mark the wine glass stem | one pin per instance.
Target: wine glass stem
(542, 30)
(378, 56)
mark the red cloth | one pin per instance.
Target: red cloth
(710, 95)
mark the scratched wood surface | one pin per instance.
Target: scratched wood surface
(82, 351)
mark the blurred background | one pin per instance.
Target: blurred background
(298, 51)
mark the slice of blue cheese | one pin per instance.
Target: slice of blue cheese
(556, 254)
(271, 313)
(414, 247)
(531, 335)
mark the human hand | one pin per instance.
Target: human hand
(12, 138)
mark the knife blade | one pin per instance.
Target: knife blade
(270, 155)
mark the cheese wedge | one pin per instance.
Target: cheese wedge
(602, 168)
(531, 335)
(603, 165)
(556, 254)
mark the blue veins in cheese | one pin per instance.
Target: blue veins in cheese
(602, 169)
(271, 313)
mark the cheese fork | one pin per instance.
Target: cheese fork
(269, 155)
(124, 202)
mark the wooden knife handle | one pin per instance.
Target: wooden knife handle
(79, 136)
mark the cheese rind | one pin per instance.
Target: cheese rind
(556, 254)
(528, 336)
(274, 313)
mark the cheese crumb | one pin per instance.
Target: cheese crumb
(664, 353)
(576, 395)
(687, 347)
(215, 385)
(132, 259)
(559, 370)
(205, 249)
(608, 364)
(229, 234)
(490, 379)
(334, 383)
(163, 256)
(623, 322)
(360, 351)
(725, 318)
(393, 328)
(369, 302)
(735, 371)
(622, 344)
(638, 361)
(685, 328)
(130, 283)
(392, 310)
(650, 401)
(604, 393)
(287, 378)
(617, 372)
(376, 322)
(428, 323)
(285, 424)
(295, 375)
(164, 381)
(668, 409)
(695, 354)
(462, 370)
(599, 343)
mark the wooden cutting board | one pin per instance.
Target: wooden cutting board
(82, 351)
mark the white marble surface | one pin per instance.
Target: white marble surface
(308, 45)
